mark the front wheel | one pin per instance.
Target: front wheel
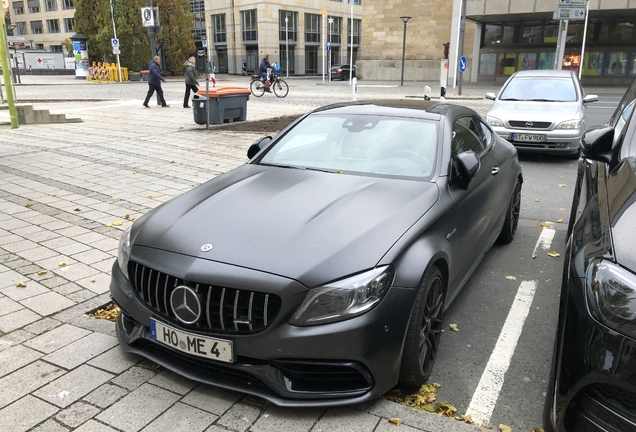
(424, 331)
(281, 88)
(256, 88)
(512, 216)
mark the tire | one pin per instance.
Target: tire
(256, 91)
(425, 328)
(509, 228)
(281, 88)
(550, 395)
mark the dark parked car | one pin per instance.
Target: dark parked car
(342, 72)
(318, 273)
(593, 380)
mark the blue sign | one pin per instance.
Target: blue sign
(115, 42)
(462, 64)
(328, 46)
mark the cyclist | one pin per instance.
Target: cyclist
(264, 69)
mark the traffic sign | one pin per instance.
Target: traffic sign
(114, 42)
(328, 46)
(562, 3)
(568, 13)
(462, 64)
(204, 43)
(116, 51)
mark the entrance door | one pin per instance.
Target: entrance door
(283, 59)
(252, 58)
(311, 59)
(221, 53)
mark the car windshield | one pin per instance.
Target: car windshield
(544, 89)
(359, 144)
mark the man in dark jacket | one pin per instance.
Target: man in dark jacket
(154, 82)
(191, 82)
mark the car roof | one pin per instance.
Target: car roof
(417, 108)
(545, 73)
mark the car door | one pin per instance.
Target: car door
(470, 222)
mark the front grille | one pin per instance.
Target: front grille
(224, 310)
(600, 408)
(324, 376)
(524, 124)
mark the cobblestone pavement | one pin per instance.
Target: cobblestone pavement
(61, 185)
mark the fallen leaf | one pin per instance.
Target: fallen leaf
(216, 165)
(466, 419)
(63, 264)
(533, 256)
(134, 172)
(78, 209)
(395, 421)
(196, 175)
(110, 202)
(93, 280)
(21, 284)
(554, 254)
(544, 224)
(537, 200)
(149, 196)
(117, 223)
(447, 410)
(171, 161)
(109, 225)
(110, 313)
(504, 428)
(560, 220)
(29, 205)
(563, 209)
(340, 172)
(113, 198)
(562, 185)
(536, 429)
(42, 272)
(511, 278)
(453, 327)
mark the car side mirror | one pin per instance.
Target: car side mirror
(597, 143)
(258, 146)
(467, 166)
(491, 96)
(590, 98)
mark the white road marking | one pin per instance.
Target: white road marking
(485, 397)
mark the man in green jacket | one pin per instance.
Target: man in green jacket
(191, 81)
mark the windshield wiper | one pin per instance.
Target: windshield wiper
(543, 100)
(280, 165)
(510, 99)
(324, 170)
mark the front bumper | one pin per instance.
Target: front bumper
(596, 385)
(327, 365)
(564, 141)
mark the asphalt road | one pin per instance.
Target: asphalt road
(482, 309)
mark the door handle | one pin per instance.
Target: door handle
(495, 170)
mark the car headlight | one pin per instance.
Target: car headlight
(344, 299)
(570, 124)
(124, 252)
(494, 121)
(611, 292)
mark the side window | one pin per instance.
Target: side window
(466, 136)
(486, 134)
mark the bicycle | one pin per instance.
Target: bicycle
(276, 83)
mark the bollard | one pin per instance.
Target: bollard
(354, 88)
(442, 96)
(427, 93)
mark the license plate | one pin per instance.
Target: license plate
(524, 137)
(189, 343)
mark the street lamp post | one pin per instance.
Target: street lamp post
(330, 21)
(351, 45)
(405, 19)
(287, 46)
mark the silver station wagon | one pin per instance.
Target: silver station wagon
(541, 110)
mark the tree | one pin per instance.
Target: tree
(177, 22)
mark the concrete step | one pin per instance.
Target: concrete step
(28, 115)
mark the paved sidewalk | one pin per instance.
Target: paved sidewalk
(62, 186)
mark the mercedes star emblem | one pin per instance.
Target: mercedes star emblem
(206, 247)
(185, 304)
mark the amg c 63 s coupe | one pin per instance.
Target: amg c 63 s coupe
(318, 273)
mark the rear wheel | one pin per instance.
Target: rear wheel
(512, 216)
(424, 331)
(257, 89)
(281, 88)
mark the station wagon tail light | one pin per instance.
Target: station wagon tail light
(494, 121)
(344, 299)
(124, 252)
(339, 70)
(611, 292)
(571, 124)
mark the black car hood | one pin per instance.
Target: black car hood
(622, 205)
(306, 225)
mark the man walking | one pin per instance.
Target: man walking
(154, 82)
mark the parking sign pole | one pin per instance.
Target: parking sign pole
(115, 48)
(587, 13)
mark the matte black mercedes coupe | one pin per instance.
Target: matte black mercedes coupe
(318, 272)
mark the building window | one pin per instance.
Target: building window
(50, 5)
(220, 32)
(334, 29)
(357, 2)
(34, 6)
(53, 26)
(36, 27)
(57, 48)
(18, 7)
(68, 24)
(21, 28)
(357, 24)
(337, 1)
(249, 25)
(531, 34)
(289, 28)
(67, 4)
(197, 7)
(312, 28)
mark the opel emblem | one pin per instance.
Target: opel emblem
(206, 247)
(185, 304)
(529, 124)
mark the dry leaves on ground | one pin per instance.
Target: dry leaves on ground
(110, 313)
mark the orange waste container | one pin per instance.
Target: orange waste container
(226, 105)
